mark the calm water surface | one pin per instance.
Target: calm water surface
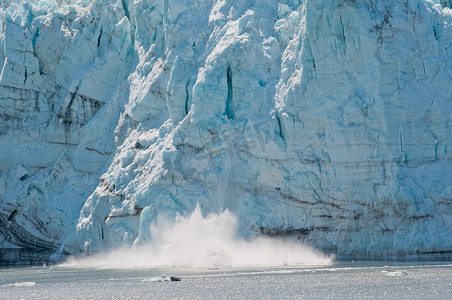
(341, 280)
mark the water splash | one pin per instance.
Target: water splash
(198, 241)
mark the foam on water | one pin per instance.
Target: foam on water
(199, 241)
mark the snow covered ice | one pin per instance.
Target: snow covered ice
(326, 121)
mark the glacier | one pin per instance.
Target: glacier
(325, 121)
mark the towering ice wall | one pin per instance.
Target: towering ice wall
(324, 120)
(62, 87)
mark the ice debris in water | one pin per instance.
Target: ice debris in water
(395, 273)
(20, 284)
(163, 278)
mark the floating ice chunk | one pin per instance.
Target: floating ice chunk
(396, 273)
(20, 284)
(163, 278)
(157, 279)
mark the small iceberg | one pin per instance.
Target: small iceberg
(19, 284)
(395, 273)
(163, 278)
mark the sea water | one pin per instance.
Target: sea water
(338, 280)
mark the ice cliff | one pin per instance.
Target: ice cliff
(329, 121)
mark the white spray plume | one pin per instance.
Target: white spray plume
(198, 241)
